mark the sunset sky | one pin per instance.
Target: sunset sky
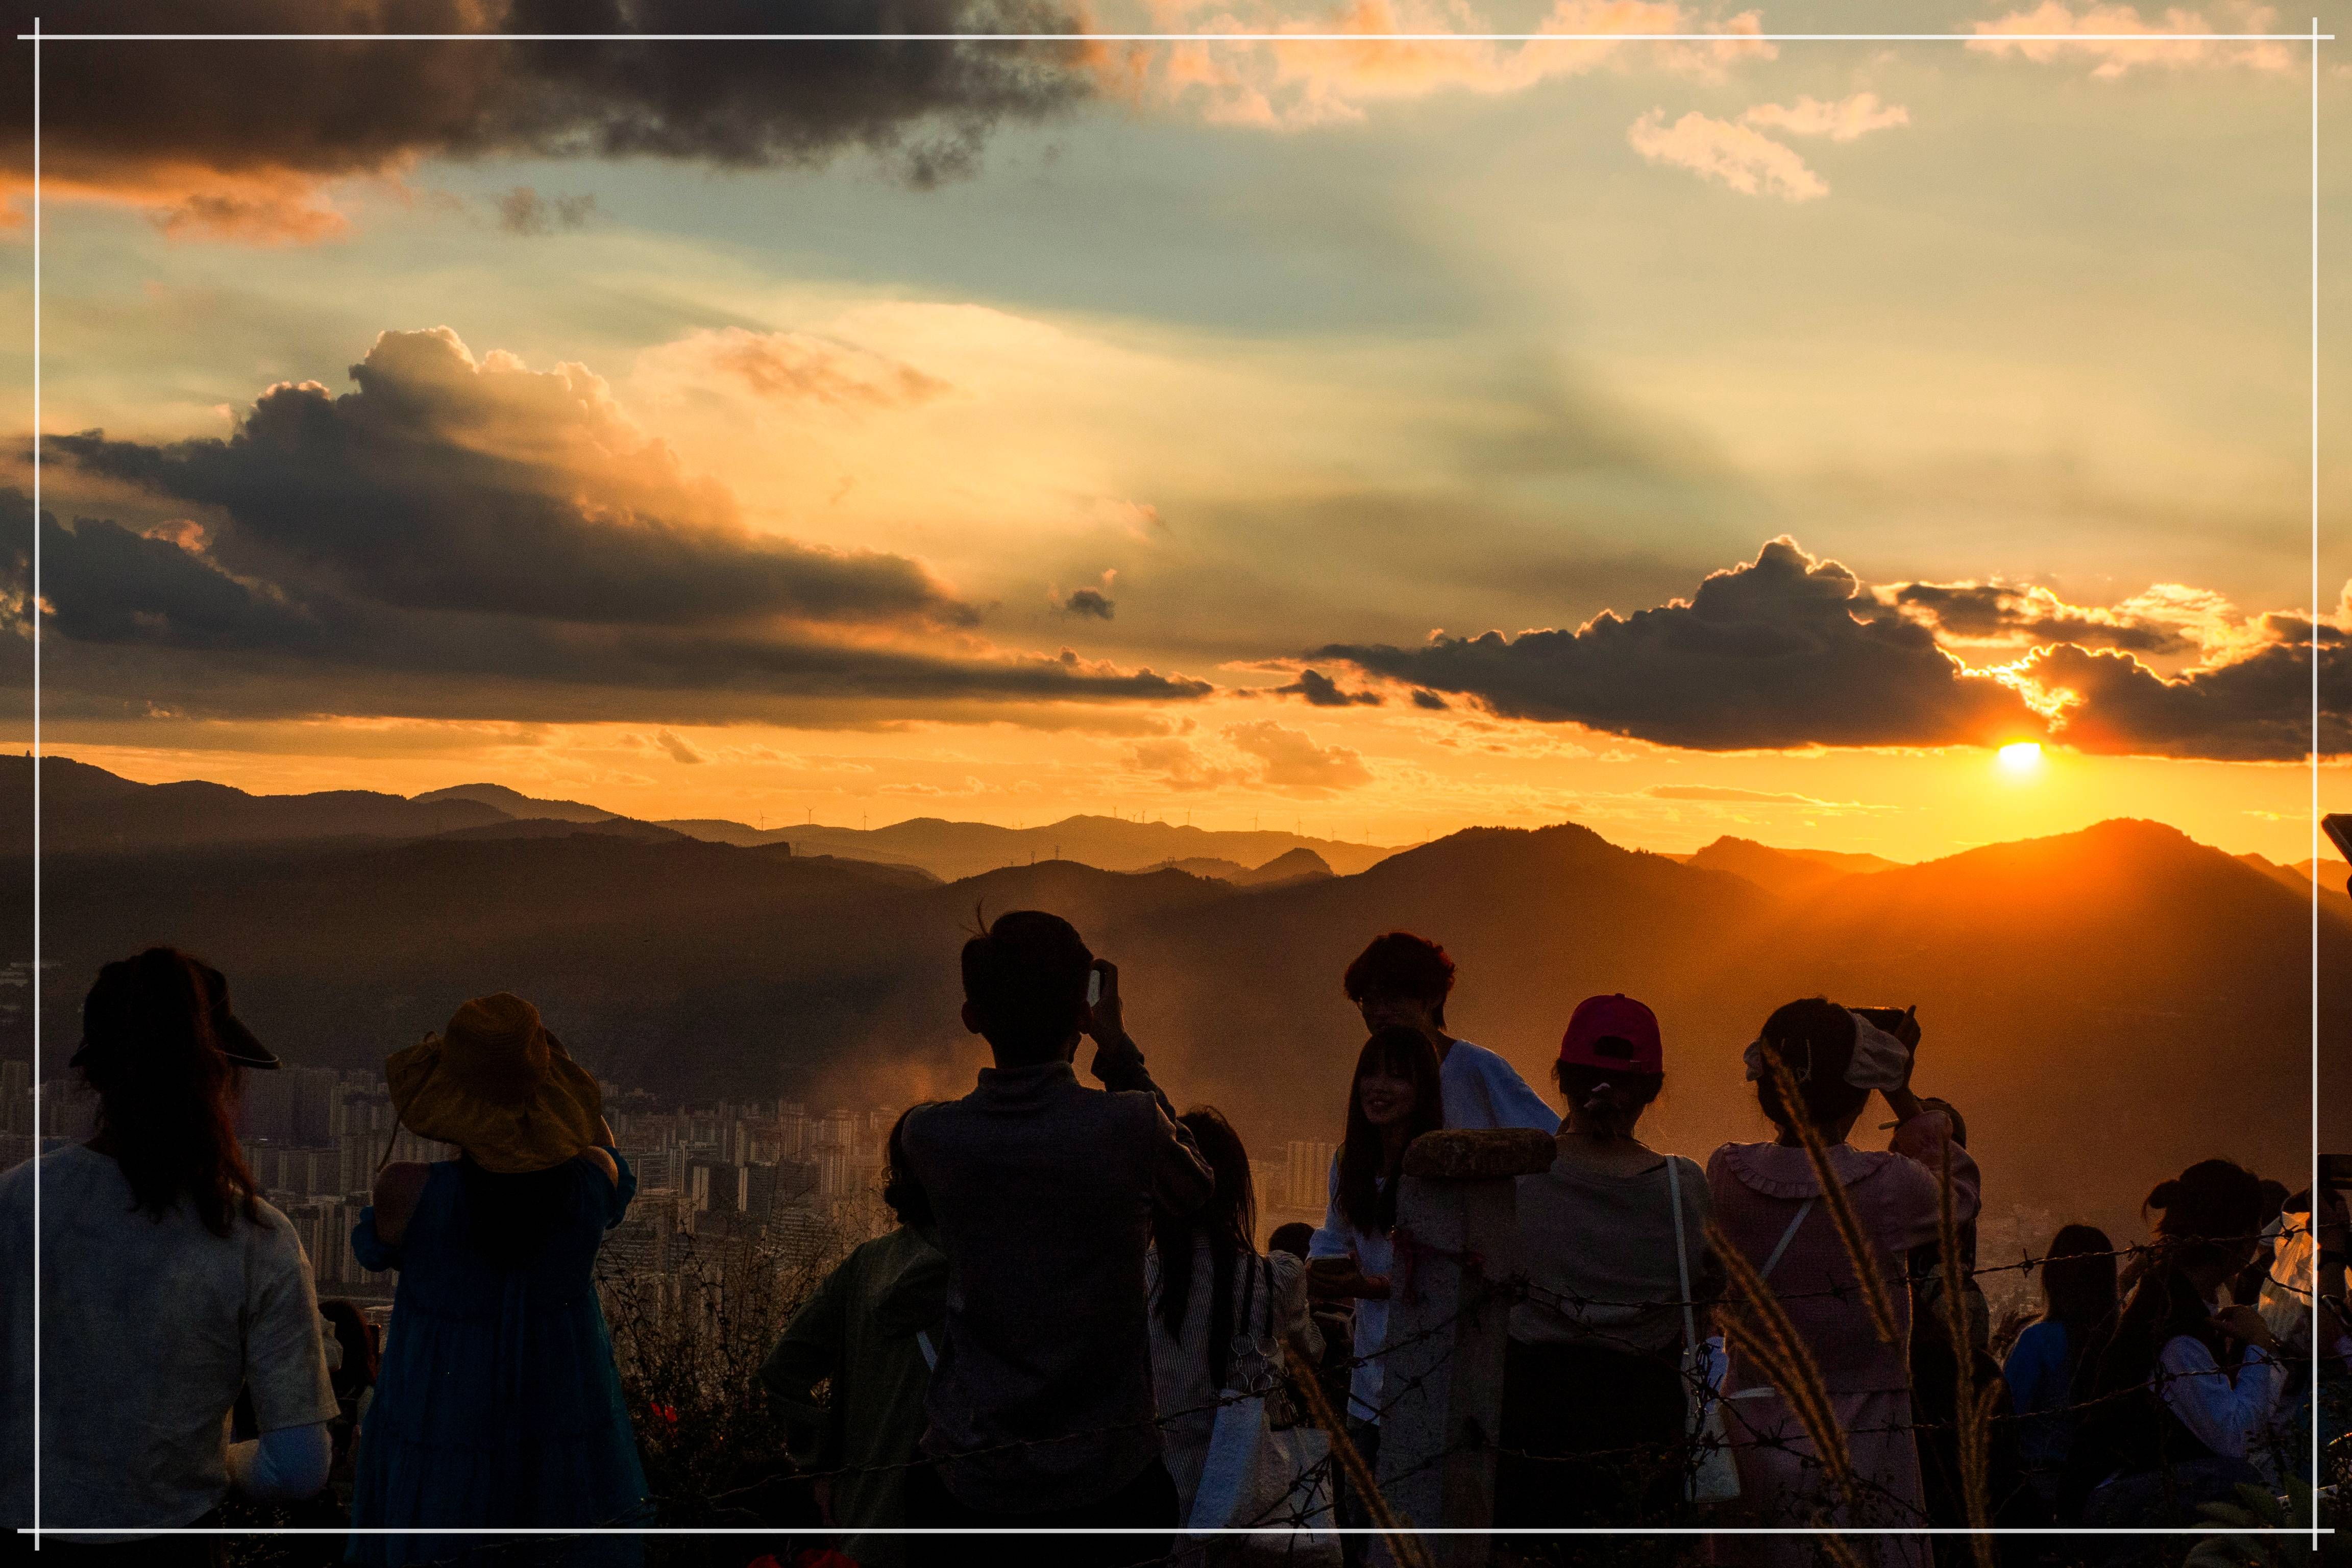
(1006, 432)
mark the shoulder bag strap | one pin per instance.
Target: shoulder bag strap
(1681, 1253)
(1787, 1237)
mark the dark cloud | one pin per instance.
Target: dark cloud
(1089, 602)
(1993, 610)
(522, 210)
(1791, 651)
(464, 538)
(1321, 691)
(136, 623)
(447, 484)
(1424, 697)
(233, 138)
(1783, 651)
(2254, 709)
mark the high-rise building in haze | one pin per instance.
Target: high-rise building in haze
(1309, 1183)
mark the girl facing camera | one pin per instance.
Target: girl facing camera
(1612, 1236)
(1395, 1097)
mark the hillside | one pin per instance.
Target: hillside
(515, 803)
(1795, 872)
(956, 850)
(88, 808)
(83, 807)
(2106, 1005)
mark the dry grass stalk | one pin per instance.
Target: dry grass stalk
(1840, 1550)
(1849, 1227)
(1404, 1544)
(1762, 1333)
(1971, 1410)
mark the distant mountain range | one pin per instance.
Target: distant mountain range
(2106, 1006)
(88, 808)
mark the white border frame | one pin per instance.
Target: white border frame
(2315, 38)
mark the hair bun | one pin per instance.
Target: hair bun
(2167, 1194)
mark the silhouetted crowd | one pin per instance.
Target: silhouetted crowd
(1072, 1332)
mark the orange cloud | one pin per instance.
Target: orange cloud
(186, 201)
(2118, 55)
(1737, 155)
(801, 367)
(1281, 85)
(1846, 119)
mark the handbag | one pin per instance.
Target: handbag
(1712, 1476)
(1259, 1474)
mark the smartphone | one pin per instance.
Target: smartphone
(2336, 1172)
(1887, 1018)
(1094, 987)
(2339, 831)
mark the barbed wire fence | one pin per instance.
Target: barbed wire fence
(1304, 1509)
(690, 1337)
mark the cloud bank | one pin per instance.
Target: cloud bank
(227, 141)
(478, 521)
(1790, 651)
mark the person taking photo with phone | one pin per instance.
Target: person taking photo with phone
(1041, 1410)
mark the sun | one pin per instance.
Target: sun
(2020, 758)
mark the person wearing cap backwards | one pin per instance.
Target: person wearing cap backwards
(1595, 1362)
(496, 1402)
(166, 1285)
(1767, 1204)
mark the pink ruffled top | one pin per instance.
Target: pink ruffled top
(1757, 1189)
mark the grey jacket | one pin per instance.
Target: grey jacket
(1044, 1190)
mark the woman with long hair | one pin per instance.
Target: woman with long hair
(137, 1388)
(1395, 1095)
(1770, 1205)
(496, 1402)
(870, 1333)
(2058, 1350)
(1614, 1233)
(2185, 1390)
(1212, 1296)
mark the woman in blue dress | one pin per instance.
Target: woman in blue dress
(496, 1403)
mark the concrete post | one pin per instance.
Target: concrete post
(1442, 1384)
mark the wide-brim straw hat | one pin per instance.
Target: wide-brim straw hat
(498, 1085)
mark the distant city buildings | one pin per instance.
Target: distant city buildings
(766, 1181)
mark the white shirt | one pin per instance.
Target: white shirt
(149, 1328)
(1482, 1090)
(2225, 1416)
(1336, 1237)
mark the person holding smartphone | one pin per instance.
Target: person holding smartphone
(2182, 1400)
(1041, 1412)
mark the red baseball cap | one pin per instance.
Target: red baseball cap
(1613, 1031)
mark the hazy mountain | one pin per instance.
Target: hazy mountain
(2331, 874)
(1793, 871)
(1232, 871)
(1300, 864)
(2106, 1005)
(558, 827)
(956, 850)
(83, 807)
(86, 807)
(515, 803)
